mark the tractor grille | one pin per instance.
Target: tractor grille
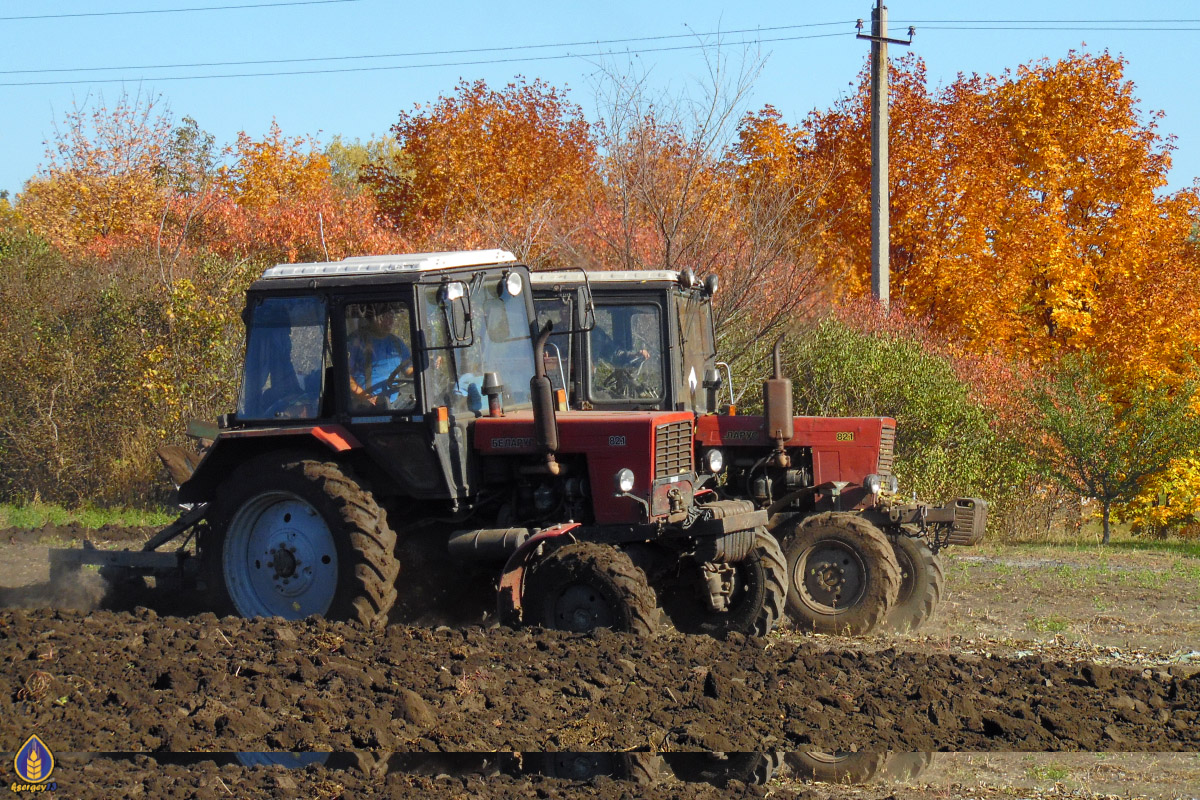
(887, 449)
(672, 449)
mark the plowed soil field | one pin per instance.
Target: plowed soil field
(1086, 669)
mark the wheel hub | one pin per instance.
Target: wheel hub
(280, 558)
(830, 576)
(285, 562)
(581, 608)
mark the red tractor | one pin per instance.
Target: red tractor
(857, 555)
(397, 405)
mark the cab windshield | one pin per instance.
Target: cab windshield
(285, 363)
(626, 353)
(500, 343)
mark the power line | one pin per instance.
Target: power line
(175, 10)
(1042, 21)
(415, 54)
(557, 57)
(1173, 29)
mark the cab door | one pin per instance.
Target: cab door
(381, 388)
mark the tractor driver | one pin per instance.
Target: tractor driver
(379, 358)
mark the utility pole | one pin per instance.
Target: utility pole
(880, 271)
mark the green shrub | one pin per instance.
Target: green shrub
(947, 444)
(104, 360)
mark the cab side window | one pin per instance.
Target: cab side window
(379, 362)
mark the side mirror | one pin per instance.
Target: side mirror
(455, 300)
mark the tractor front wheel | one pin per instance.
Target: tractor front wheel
(585, 585)
(298, 538)
(756, 602)
(922, 581)
(843, 574)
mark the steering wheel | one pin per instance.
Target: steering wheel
(401, 384)
(292, 406)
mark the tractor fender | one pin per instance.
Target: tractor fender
(512, 579)
(235, 447)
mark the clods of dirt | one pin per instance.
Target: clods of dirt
(135, 681)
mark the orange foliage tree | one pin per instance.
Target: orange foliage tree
(1027, 212)
(486, 167)
(281, 202)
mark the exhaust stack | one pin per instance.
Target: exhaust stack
(541, 392)
(777, 409)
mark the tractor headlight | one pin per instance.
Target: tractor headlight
(893, 485)
(513, 284)
(873, 483)
(624, 481)
(715, 460)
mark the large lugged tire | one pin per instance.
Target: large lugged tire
(922, 581)
(758, 601)
(584, 585)
(836, 767)
(843, 574)
(298, 538)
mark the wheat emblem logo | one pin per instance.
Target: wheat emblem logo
(34, 762)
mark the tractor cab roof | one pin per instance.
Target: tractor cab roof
(685, 279)
(401, 267)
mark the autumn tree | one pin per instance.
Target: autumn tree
(281, 203)
(1103, 442)
(677, 192)
(488, 167)
(100, 176)
(349, 159)
(1027, 212)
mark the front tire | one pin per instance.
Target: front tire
(922, 582)
(843, 576)
(756, 606)
(298, 538)
(584, 585)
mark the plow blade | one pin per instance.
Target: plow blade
(138, 562)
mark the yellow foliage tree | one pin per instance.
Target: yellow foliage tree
(101, 177)
(273, 170)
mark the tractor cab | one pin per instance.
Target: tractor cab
(645, 341)
(392, 357)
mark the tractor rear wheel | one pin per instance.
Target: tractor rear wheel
(922, 581)
(585, 585)
(719, 769)
(757, 602)
(298, 538)
(843, 574)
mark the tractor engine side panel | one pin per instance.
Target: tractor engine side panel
(656, 446)
(843, 448)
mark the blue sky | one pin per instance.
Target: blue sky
(799, 75)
